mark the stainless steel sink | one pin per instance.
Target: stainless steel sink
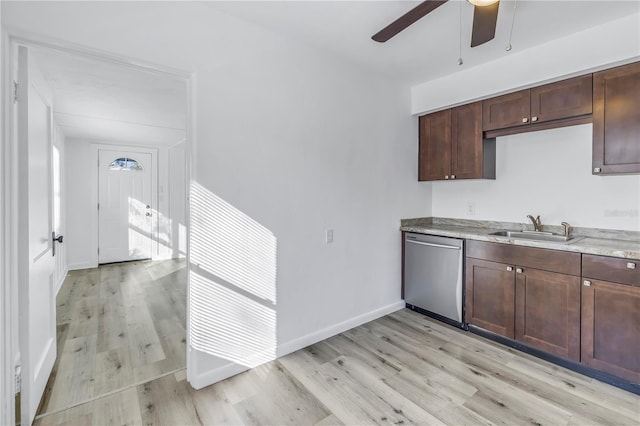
(533, 235)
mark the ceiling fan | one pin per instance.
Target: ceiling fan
(485, 16)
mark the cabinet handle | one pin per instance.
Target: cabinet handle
(525, 119)
(631, 265)
(597, 170)
(587, 283)
(453, 176)
(519, 270)
(446, 177)
(534, 118)
(509, 268)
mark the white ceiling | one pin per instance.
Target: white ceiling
(96, 100)
(430, 47)
(103, 101)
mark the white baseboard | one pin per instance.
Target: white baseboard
(315, 337)
(61, 280)
(84, 265)
(231, 369)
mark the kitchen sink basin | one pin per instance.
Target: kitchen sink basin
(533, 235)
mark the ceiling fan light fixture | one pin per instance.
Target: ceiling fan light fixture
(482, 2)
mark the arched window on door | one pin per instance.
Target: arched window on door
(124, 163)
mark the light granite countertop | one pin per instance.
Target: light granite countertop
(624, 244)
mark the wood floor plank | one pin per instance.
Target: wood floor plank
(350, 408)
(75, 373)
(281, 399)
(167, 402)
(567, 383)
(109, 306)
(213, 407)
(397, 402)
(113, 371)
(403, 368)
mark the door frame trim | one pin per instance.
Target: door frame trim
(155, 188)
(9, 282)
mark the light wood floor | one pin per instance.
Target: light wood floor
(117, 325)
(400, 369)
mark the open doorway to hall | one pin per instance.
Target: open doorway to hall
(115, 135)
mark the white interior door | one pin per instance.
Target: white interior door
(36, 263)
(125, 213)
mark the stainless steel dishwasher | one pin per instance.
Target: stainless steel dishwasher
(433, 276)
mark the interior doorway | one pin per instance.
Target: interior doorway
(125, 208)
(124, 322)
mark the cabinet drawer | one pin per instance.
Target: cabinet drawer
(615, 269)
(545, 259)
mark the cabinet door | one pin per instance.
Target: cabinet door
(611, 328)
(564, 99)
(435, 146)
(466, 141)
(548, 311)
(616, 120)
(489, 301)
(509, 110)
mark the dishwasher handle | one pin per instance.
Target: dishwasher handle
(433, 245)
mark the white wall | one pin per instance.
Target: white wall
(293, 138)
(176, 188)
(546, 173)
(60, 192)
(81, 187)
(613, 42)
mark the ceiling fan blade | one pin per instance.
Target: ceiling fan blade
(484, 23)
(407, 19)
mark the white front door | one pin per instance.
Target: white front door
(125, 213)
(37, 308)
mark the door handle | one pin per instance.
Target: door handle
(55, 240)
(433, 245)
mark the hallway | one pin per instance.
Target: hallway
(118, 325)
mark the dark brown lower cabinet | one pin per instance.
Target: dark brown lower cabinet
(546, 304)
(611, 328)
(547, 311)
(490, 296)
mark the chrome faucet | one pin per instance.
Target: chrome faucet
(537, 225)
(567, 229)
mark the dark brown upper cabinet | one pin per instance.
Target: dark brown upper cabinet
(559, 104)
(509, 110)
(435, 146)
(564, 99)
(616, 120)
(452, 147)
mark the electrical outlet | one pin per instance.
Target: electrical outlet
(329, 236)
(471, 208)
